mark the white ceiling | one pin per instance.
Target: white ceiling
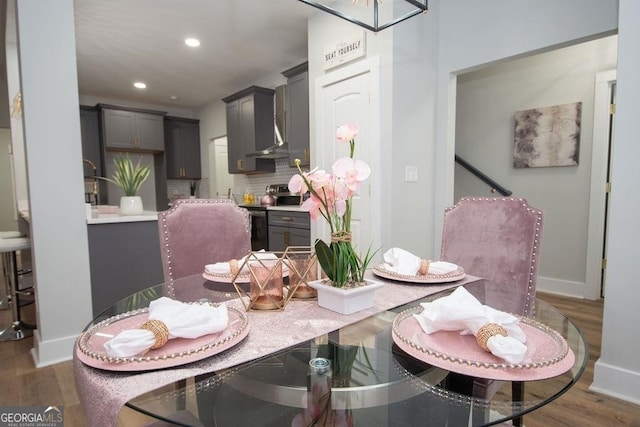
(242, 41)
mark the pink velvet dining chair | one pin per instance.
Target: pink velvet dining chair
(197, 232)
(497, 239)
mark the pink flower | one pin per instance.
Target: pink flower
(297, 184)
(313, 205)
(353, 172)
(347, 132)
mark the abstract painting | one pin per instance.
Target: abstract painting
(548, 136)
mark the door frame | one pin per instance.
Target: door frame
(597, 199)
(369, 65)
(213, 183)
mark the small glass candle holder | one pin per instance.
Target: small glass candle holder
(266, 287)
(303, 268)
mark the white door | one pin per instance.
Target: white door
(350, 95)
(220, 180)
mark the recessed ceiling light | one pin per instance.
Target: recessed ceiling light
(140, 85)
(173, 97)
(192, 42)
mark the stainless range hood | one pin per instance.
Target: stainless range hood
(279, 150)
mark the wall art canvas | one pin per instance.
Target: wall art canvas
(548, 136)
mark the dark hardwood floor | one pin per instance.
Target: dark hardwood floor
(23, 384)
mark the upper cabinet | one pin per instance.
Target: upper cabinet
(250, 128)
(129, 129)
(297, 110)
(182, 148)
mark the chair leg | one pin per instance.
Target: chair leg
(18, 329)
(517, 391)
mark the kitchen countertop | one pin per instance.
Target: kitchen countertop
(117, 218)
(285, 208)
(289, 208)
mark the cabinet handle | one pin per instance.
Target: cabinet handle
(286, 237)
(287, 218)
(306, 155)
(239, 164)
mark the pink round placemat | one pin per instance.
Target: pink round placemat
(548, 354)
(178, 351)
(381, 271)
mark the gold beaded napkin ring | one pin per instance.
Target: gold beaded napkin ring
(159, 330)
(487, 331)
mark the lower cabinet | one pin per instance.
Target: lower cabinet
(124, 258)
(288, 228)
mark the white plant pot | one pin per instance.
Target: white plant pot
(345, 301)
(131, 205)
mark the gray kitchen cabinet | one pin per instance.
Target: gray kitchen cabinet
(297, 111)
(124, 258)
(182, 148)
(129, 129)
(250, 128)
(288, 228)
(90, 135)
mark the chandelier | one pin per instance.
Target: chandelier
(371, 14)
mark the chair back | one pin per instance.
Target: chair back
(197, 232)
(497, 239)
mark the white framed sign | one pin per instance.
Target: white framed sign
(345, 50)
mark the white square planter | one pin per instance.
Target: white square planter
(345, 301)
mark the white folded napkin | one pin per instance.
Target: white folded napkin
(224, 267)
(442, 267)
(183, 321)
(461, 311)
(403, 262)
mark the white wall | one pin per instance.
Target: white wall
(617, 372)
(473, 35)
(486, 102)
(51, 123)
(411, 142)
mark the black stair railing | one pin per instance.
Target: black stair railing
(490, 182)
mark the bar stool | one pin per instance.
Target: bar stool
(5, 302)
(9, 248)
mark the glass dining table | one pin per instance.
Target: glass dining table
(370, 368)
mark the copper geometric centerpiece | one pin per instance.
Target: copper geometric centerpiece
(274, 278)
(303, 268)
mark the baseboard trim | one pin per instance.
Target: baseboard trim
(616, 382)
(562, 287)
(45, 353)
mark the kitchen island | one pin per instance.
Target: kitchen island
(124, 256)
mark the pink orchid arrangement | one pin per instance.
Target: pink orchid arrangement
(331, 198)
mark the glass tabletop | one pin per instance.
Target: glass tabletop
(370, 380)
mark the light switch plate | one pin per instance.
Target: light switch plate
(411, 174)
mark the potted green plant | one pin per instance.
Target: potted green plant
(331, 198)
(192, 189)
(129, 178)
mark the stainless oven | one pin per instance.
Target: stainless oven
(259, 232)
(259, 224)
